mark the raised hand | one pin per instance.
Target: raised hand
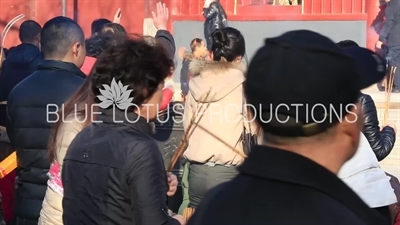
(117, 16)
(378, 44)
(181, 52)
(161, 16)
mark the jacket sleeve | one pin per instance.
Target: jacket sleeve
(166, 98)
(378, 22)
(2, 222)
(389, 22)
(165, 38)
(188, 113)
(3, 84)
(184, 77)
(209, 12)
(381, 141)
(69, 132)
(10, 125)
(147, 182)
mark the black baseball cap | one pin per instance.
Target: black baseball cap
(301, 83)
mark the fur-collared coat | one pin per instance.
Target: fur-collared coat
(223, 83)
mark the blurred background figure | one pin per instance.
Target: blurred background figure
(215, 17)
(98, 24)
(390, 36)
(21, 61)
(198, 51)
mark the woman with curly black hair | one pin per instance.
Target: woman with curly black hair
(113, 171)
(95, 45)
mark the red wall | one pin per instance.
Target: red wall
(83, 11)
(341, 10)
(133, 12)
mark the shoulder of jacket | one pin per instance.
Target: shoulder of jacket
(214, 5)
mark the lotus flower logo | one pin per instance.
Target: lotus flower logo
(115, 94)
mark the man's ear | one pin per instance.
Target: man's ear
(76, 47)
(353, 124)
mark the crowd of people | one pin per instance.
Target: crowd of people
(95, 160)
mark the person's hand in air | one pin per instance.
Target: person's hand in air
(181, 52)
(378, 44)
(207, 3)
(161, 16)
(117, 16)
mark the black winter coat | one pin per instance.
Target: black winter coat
(114, 173)
(215, 19)
(279, 187)
(391, 29)
(21, 62)
(381, 141)
(29, 129)
(2, 222)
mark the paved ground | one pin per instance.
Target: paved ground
(392, 163)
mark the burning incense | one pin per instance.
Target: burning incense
(189, 131)
(388, 92)
(222, 141)
(187, 213)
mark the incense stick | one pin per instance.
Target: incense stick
(222, 141)
(189, 131)
(188, 212)
(388, 92)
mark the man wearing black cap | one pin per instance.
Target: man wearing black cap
(309, 114)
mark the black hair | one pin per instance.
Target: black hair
(113, 29)
(96, 44)
(227, 43)
(347, 43)
(58, 35)
(98, 24)
(29, 30)
(195, 43)
(135, 63)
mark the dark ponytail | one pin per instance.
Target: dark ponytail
(227, 43)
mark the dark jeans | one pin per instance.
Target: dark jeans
(202, 178)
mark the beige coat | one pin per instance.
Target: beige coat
(51, 213)
(223, 118)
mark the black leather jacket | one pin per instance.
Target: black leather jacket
(381, 141)
(215, 19)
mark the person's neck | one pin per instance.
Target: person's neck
(324, 155)
(64, 59)
(32, 43)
